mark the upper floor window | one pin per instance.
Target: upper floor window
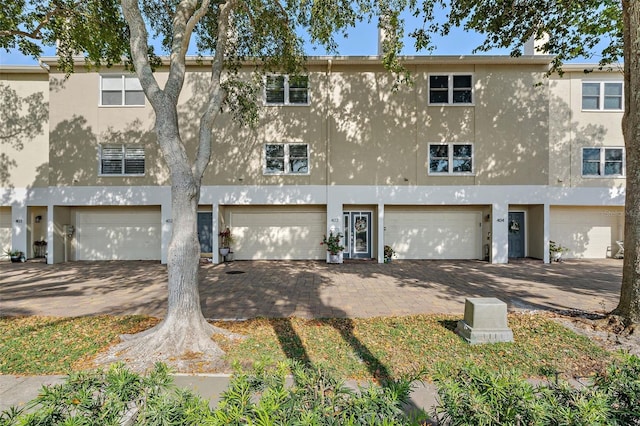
(121, 160)
(116, 89)
(286, 158)
(451, 89)
(602, 162)
(450, 158)
(286, 90)
(599, 96)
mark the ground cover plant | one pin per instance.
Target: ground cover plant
(371, 348)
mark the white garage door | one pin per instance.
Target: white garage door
(587, 232)
(5, 229)
(118, 234)
(434, 234)
(278, 234)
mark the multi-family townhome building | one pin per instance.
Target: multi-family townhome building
(480, 157)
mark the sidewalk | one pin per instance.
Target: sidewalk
(19, 390)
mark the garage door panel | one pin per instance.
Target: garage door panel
(587, 232)
(434, 235)
(123, 235)
(278, 235)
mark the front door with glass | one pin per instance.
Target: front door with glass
(357, 235)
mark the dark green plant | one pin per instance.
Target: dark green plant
(621, 382)
(263, 397)
(476, 396)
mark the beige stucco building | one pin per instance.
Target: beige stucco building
(481, 157)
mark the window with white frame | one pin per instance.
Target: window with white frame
(450, 158)
(286, 158)
(450, 89)
(120, 90)
(286, 90)
(121, 160)
(602, 95)
(602, 162)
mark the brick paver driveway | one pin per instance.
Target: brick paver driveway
(246, 289)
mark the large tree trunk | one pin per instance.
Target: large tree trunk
(629, 305)
(183, 339)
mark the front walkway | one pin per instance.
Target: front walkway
(246, 289)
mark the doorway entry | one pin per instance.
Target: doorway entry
(357, 234)
(516, 235)
(205, 232)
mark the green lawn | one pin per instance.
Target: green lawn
(351, 348)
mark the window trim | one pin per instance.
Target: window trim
(123, 164)
(287, 171)
(123, 92)
(450, 159)
(601, 96)
(450, 89)
(602, 163)
(287, 90)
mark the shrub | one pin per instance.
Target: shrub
(476, 396)
(118, 396)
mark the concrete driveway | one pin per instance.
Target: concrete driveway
(246, 289)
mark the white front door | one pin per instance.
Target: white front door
(357, 235)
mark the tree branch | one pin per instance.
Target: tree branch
(216, 93)
(139, 51)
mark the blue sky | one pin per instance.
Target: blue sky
(361, 40)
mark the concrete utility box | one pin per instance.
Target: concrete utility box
(485, 321)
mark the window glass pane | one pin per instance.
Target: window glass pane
(462, 150)
(275, 150)
(462, 96)
(438, 81)
(111, 167)
(111, 98)
(134, 98)
(439, 151)
(612, 102)
(134, 166)
(275, 165)
(613, 168)
(275, 89)
(613, 89)
(462, 165)
(591, 154)
(613, 154)
(439, 166)
(132, 83)
(298, 150)
(462, 81)
(590, 103)
(590, 89)
(112, 82)
(298, 82)
(590, 168)
(436, 97)
(298, 96)
(299, 165)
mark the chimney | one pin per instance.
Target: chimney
(535, 46)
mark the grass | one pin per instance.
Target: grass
(350, 348)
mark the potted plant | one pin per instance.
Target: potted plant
(226, 239)
(333, 246)
(555, 251)
(388, 254)
(16, 256)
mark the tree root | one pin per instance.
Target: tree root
(184, 345)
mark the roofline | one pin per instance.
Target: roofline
(368, 60)
(23, 69)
